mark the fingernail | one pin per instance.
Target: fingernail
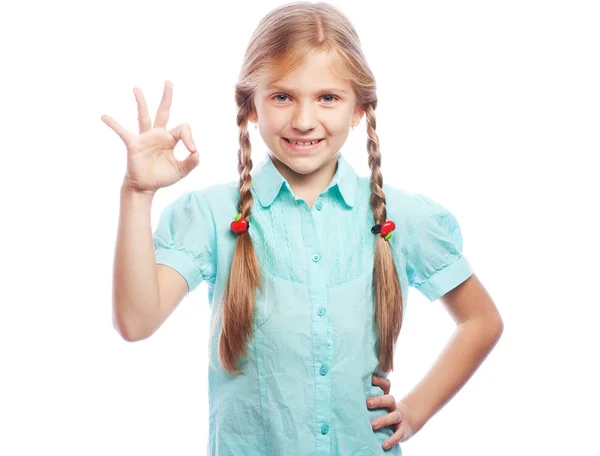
(386, 445)
(375, 423)
(370, 402)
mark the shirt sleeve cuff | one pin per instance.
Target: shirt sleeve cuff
(182, 263)
(446, 279)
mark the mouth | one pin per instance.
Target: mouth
(299, 148)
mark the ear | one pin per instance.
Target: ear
(358, 114)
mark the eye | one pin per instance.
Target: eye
(279, 95)
(333, 96)
(285, 95)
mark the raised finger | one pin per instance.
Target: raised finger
(144, 120)
(125, 134)
(383, 382)
(162, 115)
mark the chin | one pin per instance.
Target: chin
(302, 162)
(300, 165)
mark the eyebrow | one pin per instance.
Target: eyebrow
(333, 89)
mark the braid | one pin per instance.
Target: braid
(377, 199)
(244, 168)
(387, 291)
(238, 302)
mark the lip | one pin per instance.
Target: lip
(300, 149)
(304, 139)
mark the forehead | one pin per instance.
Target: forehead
(314, 72)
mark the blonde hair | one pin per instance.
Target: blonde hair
(282, 39)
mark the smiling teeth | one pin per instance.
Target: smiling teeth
(304, 143)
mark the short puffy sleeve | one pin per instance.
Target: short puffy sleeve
(435, 263)
(185, 238)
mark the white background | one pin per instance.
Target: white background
(490, 108)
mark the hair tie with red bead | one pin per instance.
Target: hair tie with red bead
(385, 229)
(239, 224)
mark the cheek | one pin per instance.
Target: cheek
(339, 131)
(338, 123)
(272, 121)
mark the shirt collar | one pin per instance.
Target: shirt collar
(267, 181)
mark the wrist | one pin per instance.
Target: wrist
(128, 189)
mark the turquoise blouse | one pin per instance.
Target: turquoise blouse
(307, 374)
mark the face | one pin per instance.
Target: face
(309, 103)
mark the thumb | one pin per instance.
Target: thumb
(189, 163)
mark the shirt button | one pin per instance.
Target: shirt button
(323, 370)
(321, 312)
(319, 205)
(316, 257)
(324, 429)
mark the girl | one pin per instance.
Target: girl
(308, 264)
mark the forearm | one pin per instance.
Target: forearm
(469, 345)
(135, 288)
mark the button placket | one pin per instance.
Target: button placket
(322, 334)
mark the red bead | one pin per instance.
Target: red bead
(387, 227)
(240, 226)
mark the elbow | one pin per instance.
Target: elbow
(126, 331)
(496, 327)
(121, 328)
(499, 324)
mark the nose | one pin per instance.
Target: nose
(305, 118)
